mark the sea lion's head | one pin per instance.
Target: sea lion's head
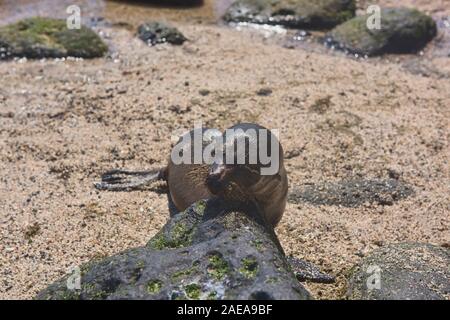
(251, 154)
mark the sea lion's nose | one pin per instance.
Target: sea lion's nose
(216, 181)
(217, 169)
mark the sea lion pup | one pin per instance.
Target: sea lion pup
(245, 165)
(251, 169)
(244, 177)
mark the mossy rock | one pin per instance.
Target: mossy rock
(319, 14)
(403, 30)
(37, 38)
(213, 256)
(178, 231)
(403, 271)
(154, 33)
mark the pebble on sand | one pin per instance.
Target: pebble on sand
(157, 32)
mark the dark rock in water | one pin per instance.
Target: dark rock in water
(404, 271)
(319, 14)
(402, 30)
(158, 32)
(206, 252)
(176, 3)
(352, 193)
(38, 38)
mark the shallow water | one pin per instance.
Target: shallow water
(131, 12)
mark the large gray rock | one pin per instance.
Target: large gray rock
(319, 14)
(157, 32)
(402, 30)
(206, 252)
(38, 38)
(406, 271)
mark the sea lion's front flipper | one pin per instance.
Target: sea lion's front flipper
(306, 271)
(122, 180)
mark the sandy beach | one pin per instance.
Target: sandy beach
(64, 122)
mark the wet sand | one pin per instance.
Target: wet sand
(63, 123)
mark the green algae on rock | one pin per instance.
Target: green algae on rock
(403, 30)
(157, 32)
(38, 37)
(193, 291)
(154, 286)
(249, 267)
(320, 14)
(179, 231)
(218, 267)
(402, 271)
